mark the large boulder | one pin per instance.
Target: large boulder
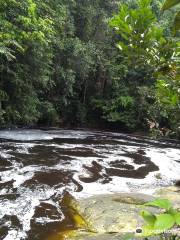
(112, 216)
(114, 213)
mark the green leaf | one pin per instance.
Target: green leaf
(177, 217)
(161, 203)
(170, 3)
(148, 217)
(176, 26)
(164, 221)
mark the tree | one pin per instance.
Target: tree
(140, 42)
(24, 37)
(58, 67)
(169, 4)
(168, 84)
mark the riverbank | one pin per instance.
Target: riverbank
(139, 133)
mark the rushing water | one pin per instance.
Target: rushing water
(39, 167)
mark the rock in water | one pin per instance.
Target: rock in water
(112, 216)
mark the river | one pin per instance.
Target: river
(38, 168)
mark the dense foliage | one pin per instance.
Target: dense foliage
(66, 63)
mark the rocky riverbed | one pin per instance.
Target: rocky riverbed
(101, 170)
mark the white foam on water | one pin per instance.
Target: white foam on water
(32, 135)
(24, 148)
(4, 154)
(18, 174)
(23, 207)
(166, 161)
(25, 135)
(169, 171)
(15, 235)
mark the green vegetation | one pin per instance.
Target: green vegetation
(159, 223)
(86, 63)
(169, 4)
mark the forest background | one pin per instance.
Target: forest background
(90, 63)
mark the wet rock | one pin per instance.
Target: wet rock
(4, 163)
(106, 216)
(46, 218)
(121, 164)
(177, 183)
(137, 157)
(158, 176)
(80, 152)
(11, 196)
(122, 169)
(106, 213)
(8, 185)
(8, 222)
(46, 210)
(128, 172)
(42, 155)
(50, 178)
(60, 222)
(3, 231)
(94, 173)
(111, 216)
(141, 151)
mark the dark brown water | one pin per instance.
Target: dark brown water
(39, 168)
